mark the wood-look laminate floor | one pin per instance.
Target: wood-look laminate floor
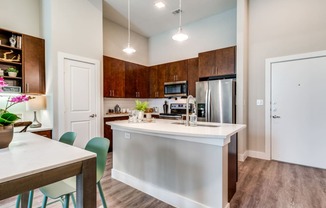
(272, 184)
(262, 184)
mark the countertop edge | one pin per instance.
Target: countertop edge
(210, 139)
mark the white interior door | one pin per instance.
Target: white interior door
(298, 112)
(80, 100)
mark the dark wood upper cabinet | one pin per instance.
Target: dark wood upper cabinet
(113, 77)
(33, 64)
(206, 63)
(26, 54)
(176, 71)
(225, 61)
(192, 66)
(136, 81)
(130, 80)
(217, 62)
(156, 81)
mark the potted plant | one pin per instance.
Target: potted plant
(7, 118)
(141, 107)
(12, 72)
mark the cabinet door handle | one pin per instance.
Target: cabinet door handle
(27, 87)
(113, 93)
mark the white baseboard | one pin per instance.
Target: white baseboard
(258, 155)
(157, 192)
(243, 157)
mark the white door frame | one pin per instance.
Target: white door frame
(269, 62)
(61, 98)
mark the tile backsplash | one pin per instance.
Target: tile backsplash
(129, 103)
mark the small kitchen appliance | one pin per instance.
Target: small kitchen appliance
(177, 109)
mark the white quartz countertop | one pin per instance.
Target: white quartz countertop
(219, 134)
(112, 115)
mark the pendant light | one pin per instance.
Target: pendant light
(129, 49)
(180, 36)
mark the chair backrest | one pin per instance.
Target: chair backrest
(26, 124)
(100, 146)
(68, 138)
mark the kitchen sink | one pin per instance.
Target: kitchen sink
(204, 125)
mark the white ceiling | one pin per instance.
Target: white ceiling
(148, 20)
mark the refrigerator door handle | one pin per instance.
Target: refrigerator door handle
(209, 106)
(206, 105)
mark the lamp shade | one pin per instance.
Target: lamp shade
(38, 103)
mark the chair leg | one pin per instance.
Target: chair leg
(30, 199)
(102, 195)
(45, 201)
(18, 200)
(73, 200)
(66, 204)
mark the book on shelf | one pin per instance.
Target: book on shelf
(19, 41)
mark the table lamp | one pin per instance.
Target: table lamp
(36, 104)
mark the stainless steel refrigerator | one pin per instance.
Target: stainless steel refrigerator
(216, 101)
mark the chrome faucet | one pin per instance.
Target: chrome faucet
(187, 107)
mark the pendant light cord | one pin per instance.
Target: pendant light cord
(128, 23)
(180, 14)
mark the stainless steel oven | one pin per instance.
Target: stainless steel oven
(175, 89)
(177, 110)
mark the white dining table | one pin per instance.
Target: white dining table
(32, 161)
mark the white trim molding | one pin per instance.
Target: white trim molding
(157, 192)
(243, 157)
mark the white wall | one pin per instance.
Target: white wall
(24, 17)
(73, 27)
(278, 28)
(21, 16)
(214, 32)
(115, 38)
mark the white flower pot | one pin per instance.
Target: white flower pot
(12, 74)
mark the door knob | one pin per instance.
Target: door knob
(92, 115)
(276, 116)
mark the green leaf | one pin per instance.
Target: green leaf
(141, 106)
(8, 118)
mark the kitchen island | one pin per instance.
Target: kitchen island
(181, 165)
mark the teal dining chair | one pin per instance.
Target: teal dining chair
(65, 189)
(67, 138)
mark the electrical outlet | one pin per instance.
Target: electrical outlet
(127, 135)
(260, 102)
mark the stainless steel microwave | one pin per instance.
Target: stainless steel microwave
(175, 89)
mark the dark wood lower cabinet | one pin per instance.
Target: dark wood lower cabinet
(46, 133)
(108, 130)
(232, 166)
